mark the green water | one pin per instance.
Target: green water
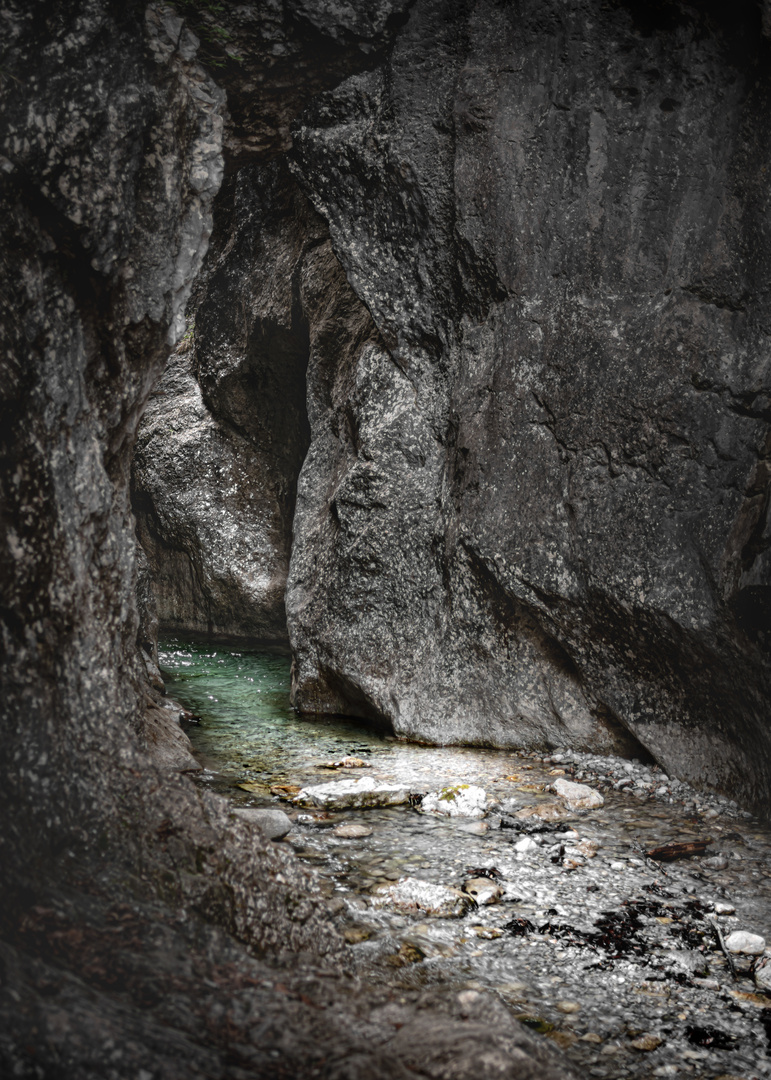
(247, 731)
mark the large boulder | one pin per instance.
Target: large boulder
(534, 508)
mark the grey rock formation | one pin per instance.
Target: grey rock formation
(112, 160)
(225, 431)
(138, 918)
(534, 509)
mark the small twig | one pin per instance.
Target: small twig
(723, 949)
(637, 846)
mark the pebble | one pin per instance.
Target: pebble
(568, 1006)
(352, 832)
(282, 790)
(740, 941)
(526, 843)
(483, 890)
(647, 1042)
(612, 1048)
(467, 999)
(578, 796)
(462, 800)
(273, 824)
(346, 763)
(356, 934)
(715, 862)
(724, 909)
(545, 811)
(318, 821)
(487, 933)
(475, 828)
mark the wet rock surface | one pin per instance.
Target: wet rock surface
(273, 824)
(360, 794)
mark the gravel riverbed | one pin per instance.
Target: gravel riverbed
(623, 960)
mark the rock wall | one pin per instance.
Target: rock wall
(225, 431)
(533, 300)
(144, 930)
(112, 160)
(538, 512)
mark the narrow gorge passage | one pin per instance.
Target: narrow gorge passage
(427, 344)
(611, 956)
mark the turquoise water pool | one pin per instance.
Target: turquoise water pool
(247, 731)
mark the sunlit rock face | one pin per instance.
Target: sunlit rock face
(534, 508)
(225, 431)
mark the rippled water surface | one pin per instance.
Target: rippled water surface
(660, 972)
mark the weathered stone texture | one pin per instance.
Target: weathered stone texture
(112, 159)
(539, 515)
(112, 162)
(225, 431)
(125, 889)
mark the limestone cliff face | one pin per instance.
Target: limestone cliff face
(141, 924)
(111, 136)
(538, 513)
(225, 431)
(534, 506)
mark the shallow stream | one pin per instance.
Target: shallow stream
(615, 957)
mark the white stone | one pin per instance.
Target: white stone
(740, 941)
(360, 794)
(475, 828)
(410, 895)
(578, 796)
(527, 843)
(352, 832)
(483, 890)
(462, 800)
(724, 909)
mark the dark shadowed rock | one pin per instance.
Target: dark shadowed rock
(538, 513)
(113, 158)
